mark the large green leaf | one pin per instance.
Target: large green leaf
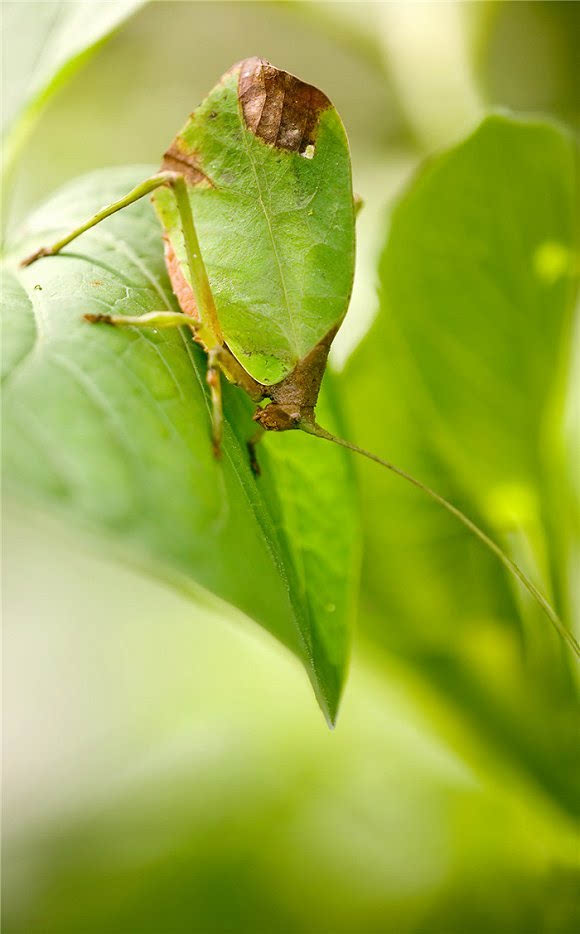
(477, 276)
(271, 191)
(45, 43)
(111, 428)
(460, 381)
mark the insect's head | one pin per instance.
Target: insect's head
(277, 417)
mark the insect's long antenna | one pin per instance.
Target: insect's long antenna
(512, 567)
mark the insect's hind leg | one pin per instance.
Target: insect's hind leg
(217, 415)
(144, 188)
(251, 445)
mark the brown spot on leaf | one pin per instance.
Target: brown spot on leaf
(279, 108)
(179, 159)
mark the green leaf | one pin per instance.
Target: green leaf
(478, 275)
(271, 192)
(111, 429)
(460, 381)
(45, 44)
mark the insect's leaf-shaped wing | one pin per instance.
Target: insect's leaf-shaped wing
(267, 160)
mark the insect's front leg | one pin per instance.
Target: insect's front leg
(235, 373)
(251, 445)
(145, 188)
(222, 359)
(215, 387)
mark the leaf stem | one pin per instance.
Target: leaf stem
(512, 567)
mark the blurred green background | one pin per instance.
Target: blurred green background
(166, 767)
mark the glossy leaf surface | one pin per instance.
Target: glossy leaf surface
(461, 380)
(111, 428)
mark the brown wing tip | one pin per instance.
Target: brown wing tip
(279, 108)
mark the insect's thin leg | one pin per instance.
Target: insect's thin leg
(144, 188)
(152, 319)
(210, 328)
(251, 445)
(215, 388)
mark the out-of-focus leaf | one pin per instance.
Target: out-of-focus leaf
(163, 766)
(457, 381)
(477, 279)
(44, 44)
(427, 54)
(111, 427)
(526, 56)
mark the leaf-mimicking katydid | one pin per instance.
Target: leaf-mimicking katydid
(255, 200)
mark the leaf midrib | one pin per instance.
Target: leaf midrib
(271, 235)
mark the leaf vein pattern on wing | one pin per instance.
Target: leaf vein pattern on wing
(272, 239)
